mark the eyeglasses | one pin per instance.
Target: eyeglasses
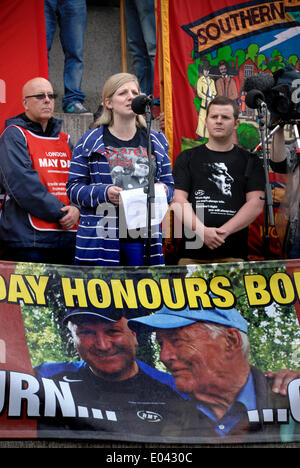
(42, 96)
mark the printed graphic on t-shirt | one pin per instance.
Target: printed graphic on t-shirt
(129, 166)
(216, 196)
(220, 176)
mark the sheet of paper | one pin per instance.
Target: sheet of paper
(135, 207)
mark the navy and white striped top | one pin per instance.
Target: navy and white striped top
(97, 240)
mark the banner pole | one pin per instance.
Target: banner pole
(123, 37)
(159, 54)
(167, 78)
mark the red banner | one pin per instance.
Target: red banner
(23, 51)
(238, 38)
(14, 352)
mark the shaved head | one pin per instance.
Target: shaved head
(38, 110)
(32, 84)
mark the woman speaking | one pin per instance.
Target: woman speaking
(108, 159)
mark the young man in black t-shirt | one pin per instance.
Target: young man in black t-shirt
(218, 191)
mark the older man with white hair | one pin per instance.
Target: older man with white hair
(207, 353)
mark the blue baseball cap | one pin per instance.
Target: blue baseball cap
(167, 318)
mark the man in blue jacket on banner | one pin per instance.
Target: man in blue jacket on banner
(207, 353)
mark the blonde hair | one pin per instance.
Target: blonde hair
(111, 85)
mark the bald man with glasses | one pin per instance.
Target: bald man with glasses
(38, 223)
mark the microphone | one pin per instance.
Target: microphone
(255, 99)
(262, 82)
(140, 103)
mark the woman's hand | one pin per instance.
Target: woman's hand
(113, 194)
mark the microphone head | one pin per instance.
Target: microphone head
(253, 98)
(140, 102)
(262, 82)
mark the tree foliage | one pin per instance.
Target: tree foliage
(274, 333)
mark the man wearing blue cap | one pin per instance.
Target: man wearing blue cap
(206, 352)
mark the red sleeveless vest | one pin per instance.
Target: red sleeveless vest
(51, 158)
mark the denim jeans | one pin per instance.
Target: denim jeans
(141, 37)
(70, 15)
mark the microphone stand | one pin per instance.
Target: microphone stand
(268, 212)
(149, 189)
(267, 137)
